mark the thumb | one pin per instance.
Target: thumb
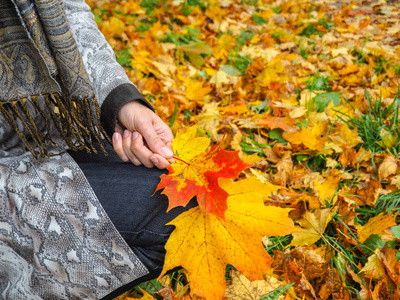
(155, 143)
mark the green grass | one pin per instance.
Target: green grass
(318, 82)
(378, 127)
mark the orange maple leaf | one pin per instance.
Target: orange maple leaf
(277, 122)
(196, 173)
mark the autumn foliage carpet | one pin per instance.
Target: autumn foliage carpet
(309, 87)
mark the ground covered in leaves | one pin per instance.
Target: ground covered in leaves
(309, 86)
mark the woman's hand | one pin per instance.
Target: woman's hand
(142, 137)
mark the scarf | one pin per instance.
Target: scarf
(42, 75)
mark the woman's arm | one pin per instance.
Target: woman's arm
(119, 99)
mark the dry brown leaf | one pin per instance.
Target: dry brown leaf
(285, 168)
(392, 265)
(388, 167)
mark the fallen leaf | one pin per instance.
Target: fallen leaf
(375, 225)
(196, 173)
(374, 268)
(219, 78)
(313, 139)
(392, 265)
(366, 193)
(203, 243)
(244, 289)
(352, 68)
(197, 48)
(388, 167)
(209, 119)
(196, 91)
(328, 188)
(313, 226)
(285, 168)
(297, 112)
(384, 291)
(277, 122)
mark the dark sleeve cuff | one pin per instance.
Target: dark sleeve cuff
(119, 96)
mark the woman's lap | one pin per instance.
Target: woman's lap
(126, 193)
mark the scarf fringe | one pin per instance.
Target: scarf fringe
(77, 122)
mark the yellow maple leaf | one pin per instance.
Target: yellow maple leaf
(375, 225)
(141, 63)
(314, 225)
(389, 140)
(114, 27)
(188, 145)
(271, 72)
(219, 78)
(313, 138)
(225, 42)
(209, 119)
(347, 138)
(374, 267)
(203, 243)
(158, 29)
(196, 91)
(244, 289)
(327, 189)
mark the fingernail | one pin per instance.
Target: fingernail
(167, 152)
(135, 135)
(116, 137)
(126, 133)
(154, 160)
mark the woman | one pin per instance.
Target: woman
(74, 225)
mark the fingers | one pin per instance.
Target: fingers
(154, 141)
(129, 146)
(132, 148)
(117, 145)
(141, 125)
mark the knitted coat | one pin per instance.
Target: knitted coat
(56, 241)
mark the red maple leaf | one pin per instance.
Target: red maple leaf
(199, 177)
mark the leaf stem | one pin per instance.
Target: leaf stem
(180, 160)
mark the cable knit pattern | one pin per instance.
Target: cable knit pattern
(98, 56)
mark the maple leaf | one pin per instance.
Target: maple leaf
(374, 267)
(204, 244)
(314, 225)
(196, 173)
(327, 189)
(196, 91)
(219, 78)
(277, 122)
(113, 27)
(244, 289)
(312, 138)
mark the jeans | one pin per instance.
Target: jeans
(126, 194)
